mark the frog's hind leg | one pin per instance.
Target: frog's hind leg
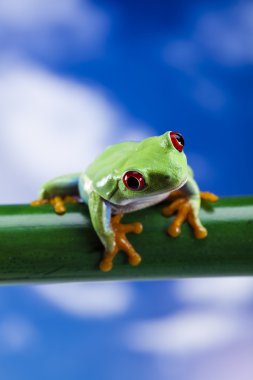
(122, 243)
(58, 203)
(58, 192)
(186, 205)
(186, 210)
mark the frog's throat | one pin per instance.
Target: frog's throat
(149, 200)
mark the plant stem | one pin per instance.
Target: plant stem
(38, 246)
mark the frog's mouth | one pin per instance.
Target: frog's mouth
(114, 191)
(157, 197)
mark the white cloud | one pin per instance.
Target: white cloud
(224, 35)
(233, 364)
(51, 126)
(216, 316)
(52, 28)
(227, 35)
(16, 334)
(187, 333)
(90, 299)
(223, 292)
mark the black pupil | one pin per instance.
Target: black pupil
(180, 139)
(133, 183)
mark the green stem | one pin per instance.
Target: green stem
(38, 246)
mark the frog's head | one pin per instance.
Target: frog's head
(156, 165)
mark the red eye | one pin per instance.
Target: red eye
(177, 140)
(134, 181)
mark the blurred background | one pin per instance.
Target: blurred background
(76, 76)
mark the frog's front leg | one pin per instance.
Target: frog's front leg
(58, 192)
(186, 203)
(112, 233)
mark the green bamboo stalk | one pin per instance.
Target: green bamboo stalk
(37, 245)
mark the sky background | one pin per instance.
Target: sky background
(76, 76)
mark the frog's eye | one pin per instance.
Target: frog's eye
(177, 140)
(134, 180)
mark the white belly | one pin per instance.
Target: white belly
(139, 204)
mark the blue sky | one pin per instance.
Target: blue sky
(76, 76)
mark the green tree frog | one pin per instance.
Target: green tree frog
(127, 177)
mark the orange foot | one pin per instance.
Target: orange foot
(58, 203)
(186, 212)
(122, 243)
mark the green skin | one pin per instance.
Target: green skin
(102, 188)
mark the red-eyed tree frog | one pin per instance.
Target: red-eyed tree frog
(127, 177)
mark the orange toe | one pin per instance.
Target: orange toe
(174, 231)
(201, 233)
(106, 265)
(134, 260)
(209, 196)
(137, 228)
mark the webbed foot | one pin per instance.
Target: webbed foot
(122, 243)
(186, 210)
(58, 203)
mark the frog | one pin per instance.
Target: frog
(131, 176)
